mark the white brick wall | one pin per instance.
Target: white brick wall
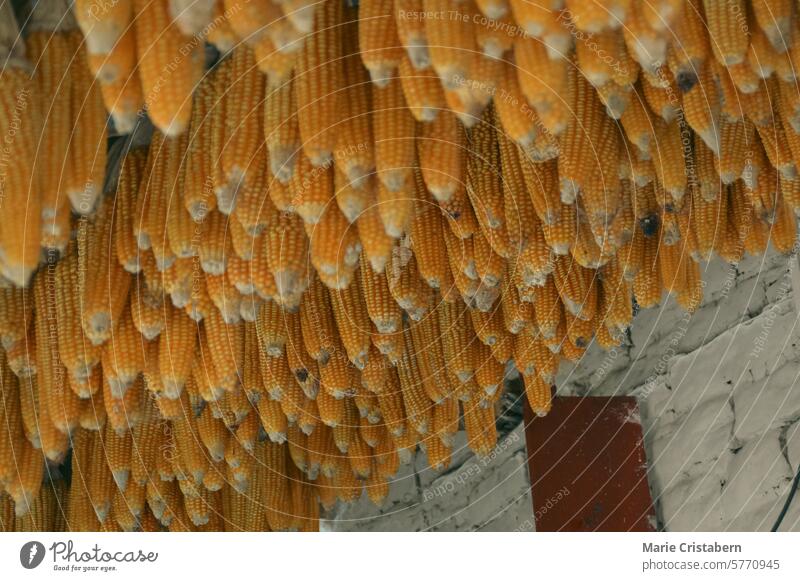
(720, 407)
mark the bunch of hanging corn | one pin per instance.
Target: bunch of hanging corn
(346, 229)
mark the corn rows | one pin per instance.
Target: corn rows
(350, 229)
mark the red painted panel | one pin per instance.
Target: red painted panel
(588, 468)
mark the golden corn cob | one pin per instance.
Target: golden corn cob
(318, 80)
(483, 184)
(708, 219)
(646, 45)
(417, 404)
(201, 154)
(53, 52)
(120, 85)
(392, 405)
(382, 309)
(541, 181)
(27, 482)
(272, 329)
(544, 83)
(426, 235)
(647, 285)
(406, 285)
(546, 362)
(93, 413)
(253, 212)
(316, 322)
(247, 431)
(495, 33)
(352, 321)
(160, 189)
(378, 41)
(353, 199)
(548, 309)
(16, 310)
(669, 161)
(124, 414)
(658, 91)
(61, 403)
(77, 354)
(396, 208)
(763, 60)
(603, 59)
(460, 215)
(145, 305)
(489, 266)
(226, 342)
(127, 191)
(394, 132)
(276, 377)
(243, 125)
(480, 428)
(167, 88)
(516, 119)
(425, 335)
(377, 244)
(331, 409)
(457, 337)
(489, 373)
(87, 152)
(334, 248)
(176, 351)
(286, 251)
(19, 246)
(539, 394)
(281, 132)
(441, 151)
(422, 90)
(346, 431)
(273, 420)
(408, 17)
(21, 356)
(516, 314)
(312, 190)
(729, 40)
(118, 456)
(774, 17)
(561, 236)
(451, 41)
(277, 65)
(12, 417)
(123, 358)
(30, 409)
(784, 229)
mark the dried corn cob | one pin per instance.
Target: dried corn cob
(318, 81)
(729, 40)
(167, 88)
(378, 42)
(441, 155)
(394, 132)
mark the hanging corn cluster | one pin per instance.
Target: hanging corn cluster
(351, 224)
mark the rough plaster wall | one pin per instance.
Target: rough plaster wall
(720, 408)
(718, 396)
